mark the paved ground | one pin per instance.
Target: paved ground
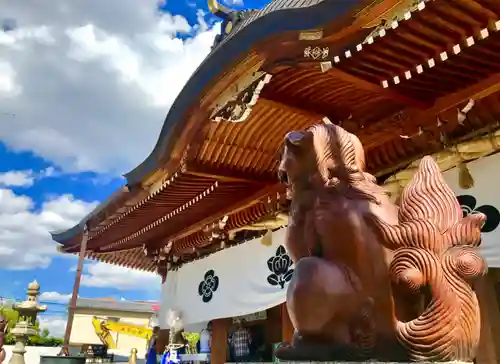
(33, 353)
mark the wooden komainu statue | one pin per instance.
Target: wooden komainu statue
(372, 279)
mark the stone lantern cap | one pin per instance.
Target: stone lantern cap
(31, 303)
(28, 310)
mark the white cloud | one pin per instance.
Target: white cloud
(25, 242)
(17, 178)
(234, 3)
(27, 178)
(8, 82)
(54, 297)
(89, 82)
(55, 324)
(106, 275)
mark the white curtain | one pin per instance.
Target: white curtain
(483, 197)
(236, 281)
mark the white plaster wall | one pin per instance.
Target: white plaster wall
(83, 331)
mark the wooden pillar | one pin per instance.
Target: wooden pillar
(219, 349)
(287, 328)
(74, 296)
(162, 340)
(489, 345)
(272, 325)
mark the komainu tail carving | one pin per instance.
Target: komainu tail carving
(435, 260)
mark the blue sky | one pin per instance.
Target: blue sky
(84, 89)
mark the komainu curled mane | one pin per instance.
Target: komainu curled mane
(348, 242)
(340, 160)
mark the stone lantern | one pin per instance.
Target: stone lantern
(25, 325)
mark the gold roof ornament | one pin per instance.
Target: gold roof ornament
(217, 9)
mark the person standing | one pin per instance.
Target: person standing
(151, 357)
(241, 344)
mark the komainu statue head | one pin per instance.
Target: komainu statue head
(326, 155)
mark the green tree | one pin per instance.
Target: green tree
(36, 340)
(10, 315)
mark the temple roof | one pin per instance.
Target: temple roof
(403, 81)
(276, 18)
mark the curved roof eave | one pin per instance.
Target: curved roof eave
(62, 236)
(226, 53)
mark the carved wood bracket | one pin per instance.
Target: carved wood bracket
(246, 93)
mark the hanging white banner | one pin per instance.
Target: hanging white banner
(483, 197)
(236, 281)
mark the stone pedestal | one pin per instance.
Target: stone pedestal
(18, 351)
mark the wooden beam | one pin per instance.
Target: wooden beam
(400, 165)
(365, 85)
(231, 210)
(303, 106)
(423, 118)
(356, 81)
(274, 102)
(489, 344)
(317, 111)
(478, 91)
(228, 174)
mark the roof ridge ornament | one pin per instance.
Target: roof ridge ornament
(218, 10)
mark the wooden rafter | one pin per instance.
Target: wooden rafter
(454, 50)
(416, 118)
(308, 107)
(232, 209)
(228, 175)
(136, 199)
(376, 88)
(476, 92)
(273, 102)
(358, 82)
